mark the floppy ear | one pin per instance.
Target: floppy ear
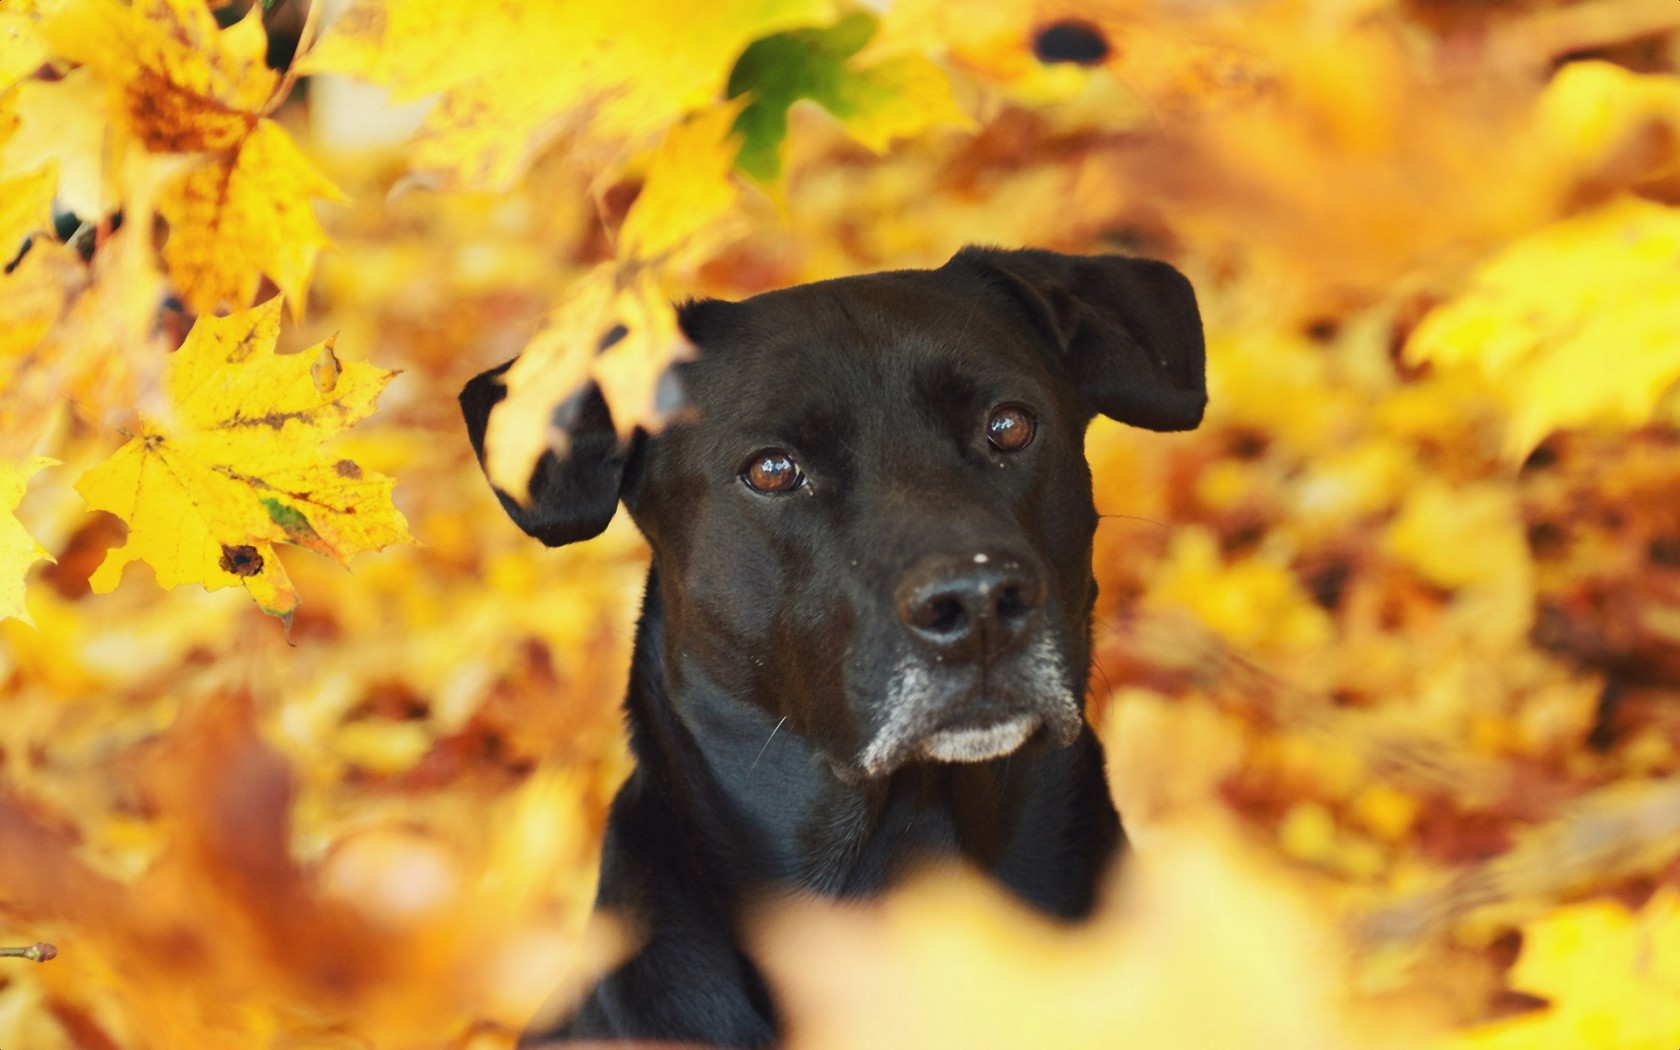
(1127, 328)
(572, 498)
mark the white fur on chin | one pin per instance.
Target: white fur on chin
(978, 745)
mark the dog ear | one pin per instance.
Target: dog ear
(1127, 328)
(572, 498)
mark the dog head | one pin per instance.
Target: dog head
(875, 520)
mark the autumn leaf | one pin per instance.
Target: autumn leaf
(22, 51)
(26, 207)
(1598, 347)
(876, 102)
(256, 208)
(75, 333)
(949, 961)
(1609, 976)
(32, 298)
(25, 201)
(1253, 600)
(181, 85)
(1603, 117)
(997, 40)
(64, 122)
(209, 494)
(514, 75)
(686, 210)
(616, 325)
(1470, 538)
(17, 550)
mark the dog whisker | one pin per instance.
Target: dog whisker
(1134, 517)
(766, 746)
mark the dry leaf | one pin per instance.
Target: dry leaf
(187, 87)
(614, 326)
(17, 550)
(514, 74)
(1607, 976)
(1595, 346)
(209, 493)
(25, 207)
(65, 121)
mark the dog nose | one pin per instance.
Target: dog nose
(970, 608)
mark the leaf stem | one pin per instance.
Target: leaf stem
(34, 953)
(306, 41)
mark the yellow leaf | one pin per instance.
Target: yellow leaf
(184, 86)
(1596, 112)
(992, 39)
(1597, 346)
(1470, 538)
(1612, 977)
(22, 51)
(951, 962)
(64, 121)
(383, 746)
(614, 326)
(25, 208)
(1253, 600)
(229, 219)
(898, 98)
(688, 196)
(1461, 536)
(514, 74)
(238, 470)
(76, 333)
(32, 297)
(17, 550)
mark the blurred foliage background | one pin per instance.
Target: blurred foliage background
(1388, 652)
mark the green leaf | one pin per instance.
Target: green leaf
(899, 96)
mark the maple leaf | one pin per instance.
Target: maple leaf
(254, 208)
(17, 550)
(949, 961)
(686, 210)
(207, 498)
(1597, 348)
(22, 51)
(1253, 600)
(181, 85)
(1470, 538)
(64, 122)
(1610, 975)
(32, 298)
(616, 324)
(1605, 117)
(25, 201)
(875, 103)
(76, 333)
(514, 74)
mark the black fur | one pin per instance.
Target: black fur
(572, 498)
(804, 660)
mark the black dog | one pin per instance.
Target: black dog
(866, 632)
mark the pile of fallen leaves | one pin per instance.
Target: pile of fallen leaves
(1388, 652)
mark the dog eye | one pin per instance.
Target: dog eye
(1010, 428)
(773, 472)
